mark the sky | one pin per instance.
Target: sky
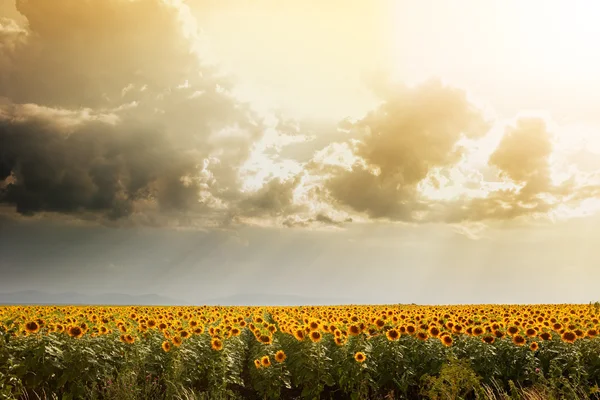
(423, 152)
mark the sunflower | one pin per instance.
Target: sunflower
(512, 330)
(434, 331)
(569, 337)
(360, 356)
(177, 340)
(545, 336)
(353, 330)
(518, 340)
(166, 346)
(315, 336)
(32, 327)
(257, 364)
(75, 332)
(339, 341)
(534, 346)
(422, 335)
(446, 340)
(530, 332)
(411, 329)
(280, 356)
(127, 338)
(216, 344)
(591, 333)
(266, 339)
(488, 339)
(557, 326)
(392, 334)
(477, 331)
(265, 361)
(299, 334)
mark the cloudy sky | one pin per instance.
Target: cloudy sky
(379, 151)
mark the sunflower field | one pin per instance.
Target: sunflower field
(312, 352)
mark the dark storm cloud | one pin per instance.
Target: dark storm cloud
(107, 110)
(95, 167)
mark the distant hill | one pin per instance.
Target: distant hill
(28, 297)
(267, 299)
(38, 297)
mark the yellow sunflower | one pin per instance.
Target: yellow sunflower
(216, 344)
(280, 356)
(265, 361)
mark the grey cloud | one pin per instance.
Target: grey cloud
(104, 113)
(414, 130)
(522, 157)
(275, 198)
(97, 167)
(83, 53)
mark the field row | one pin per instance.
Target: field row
(289, 352)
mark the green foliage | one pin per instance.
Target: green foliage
(456, 380)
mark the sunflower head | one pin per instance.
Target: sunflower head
(299, 334)
(315, 336)
(569, 337)
(216, 344)
(353, 330)
(530, 332)
(434, 331)
(446, 340)
(512, 330)
(488, 339)
(360, 356)
(75, 332)
(392, 335)
(32, 327)
(266, 339)
(127, 338)
(339, 341)
(177, 340)
(265, 361)
(518, 340)
(534, 346)
(280, 356)
(166, 346)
